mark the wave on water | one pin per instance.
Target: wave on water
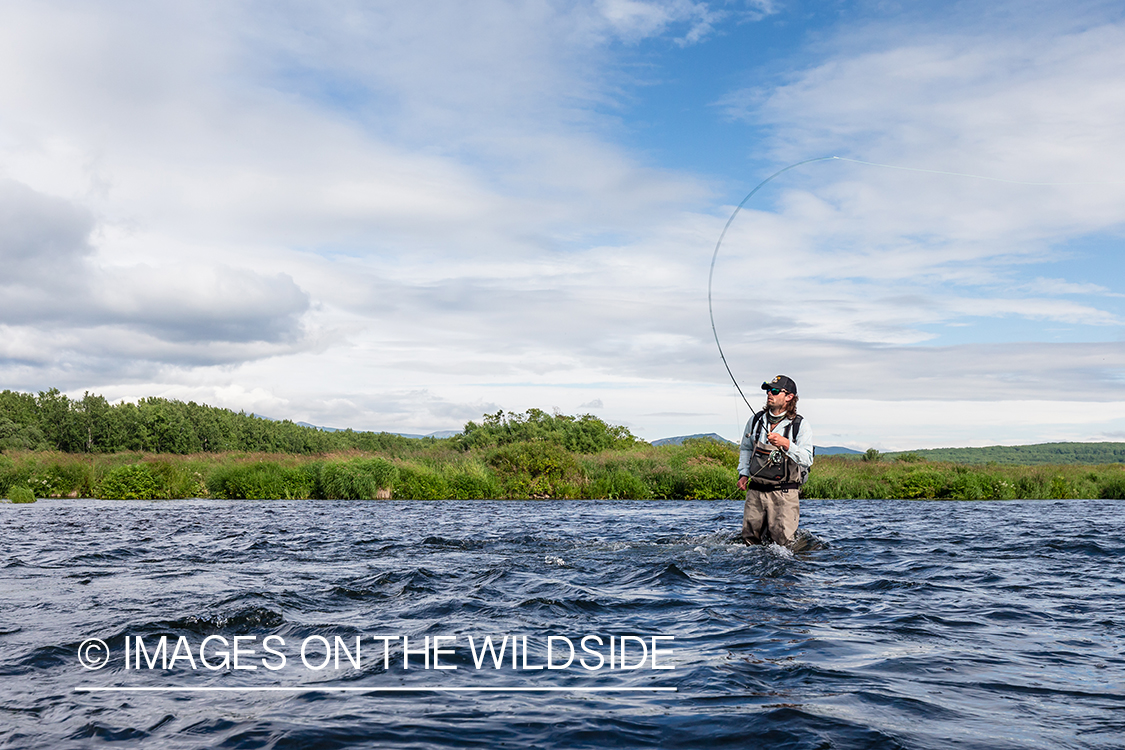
(885, 624)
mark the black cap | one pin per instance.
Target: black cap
(784, 382)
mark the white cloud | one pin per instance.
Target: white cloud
(1062, 286)
(874, 261)
(906, 425)
(633, 20)
(400, 216)
(58, 303)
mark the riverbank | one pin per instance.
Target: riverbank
(699, 469)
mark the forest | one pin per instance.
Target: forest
(54, 446)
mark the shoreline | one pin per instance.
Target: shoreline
(697, 470)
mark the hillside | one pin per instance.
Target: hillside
(831, 450)
(1042, 453)
(679, 439)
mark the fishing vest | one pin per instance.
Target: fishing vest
(770, 468)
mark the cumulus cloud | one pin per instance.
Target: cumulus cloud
(889, 271)
(188, 165)
(400, 216)
(41, 237)
(60, 304)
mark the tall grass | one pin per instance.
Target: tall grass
(354, 479)
(21, 495)
(529, 469)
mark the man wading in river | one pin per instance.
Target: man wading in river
(774, 460)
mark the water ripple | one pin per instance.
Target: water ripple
(895, 625)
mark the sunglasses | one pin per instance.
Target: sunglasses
(775, 391)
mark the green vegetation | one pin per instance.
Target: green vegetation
(21, 495)
(157, 449)
(1026, 455)
(132, 482)
(357, 479)
(426, 470)
(838, 477)
(701, 470)
(50, 421)
(585, 434)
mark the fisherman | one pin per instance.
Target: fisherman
(774, 459)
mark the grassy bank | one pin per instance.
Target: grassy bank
(843, 478)
(428, 470)
(432, 470)
(160, 448)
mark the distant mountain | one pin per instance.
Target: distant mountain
(680, 439)
(836, 450)
(318, 427)
(1040, 453)
(439, 435)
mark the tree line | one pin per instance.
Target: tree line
(162, 448)
(50, 420)
(1024, 455)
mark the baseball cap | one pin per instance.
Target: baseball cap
(784, 382)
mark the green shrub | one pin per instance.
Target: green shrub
(834, 485)
(1060, 488)
(818, 486)
(473, 481)
(725, 453)
(182, 479)
(537, 469)
(1031, 487)
(662, 482)
(970, 487)
(1088, 484)
(12, 474)
(416, 482)
(584, 434)
(381, 471)
(534, 459)
(619, 484)
(132, 482)
(1113, 489)
(60, 479)
(20, 494)
(706, 481)
(920, 484)
(1002, 489)
(358, 479)
(261, 481)
(567, 490)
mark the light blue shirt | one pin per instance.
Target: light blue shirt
(800, 449)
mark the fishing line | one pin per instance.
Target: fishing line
(715, 256)
(738, 208)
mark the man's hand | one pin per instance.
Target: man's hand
(778, 440)
(742, 483)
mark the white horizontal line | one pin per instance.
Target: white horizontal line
(327, 689)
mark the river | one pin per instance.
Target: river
(984, 625)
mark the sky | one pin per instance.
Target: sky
(402, 216)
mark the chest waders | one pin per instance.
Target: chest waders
(770, 469)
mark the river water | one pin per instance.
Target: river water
(920, 625)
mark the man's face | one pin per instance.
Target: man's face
(778, 401)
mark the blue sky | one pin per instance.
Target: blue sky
(402, 216)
